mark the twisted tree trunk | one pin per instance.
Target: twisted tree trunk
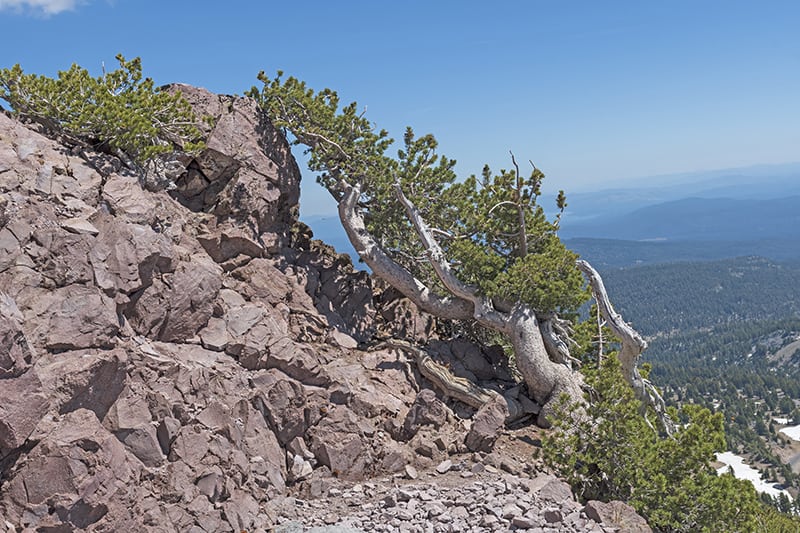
(542, 355)
(345, 147)
(545, 377)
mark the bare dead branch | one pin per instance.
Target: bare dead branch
(523, 234)
(632, 347)
(500, 204)
(556, 345)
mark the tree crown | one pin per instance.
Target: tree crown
(491, 227)
(120, 109)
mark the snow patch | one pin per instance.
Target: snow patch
(745, 471)
(793, 432)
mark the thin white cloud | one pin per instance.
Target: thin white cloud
(46, 7)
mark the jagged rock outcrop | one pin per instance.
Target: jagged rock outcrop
(178, 360)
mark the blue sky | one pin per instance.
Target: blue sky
(593, 92)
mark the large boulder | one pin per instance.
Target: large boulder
(487, 424)
(72, 318)
(339, 441)
(76, 476)
(126, 257)
(84, 379)
(176, 306)
(246, 173)
(617, 514)
(35, 166)
(427, 409)
(23, 403)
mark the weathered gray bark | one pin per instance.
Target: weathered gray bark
(546, 379)
(385, 267)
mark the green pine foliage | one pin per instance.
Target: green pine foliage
(612, 454)
(119, 111)
(491, 228)
(506, 245)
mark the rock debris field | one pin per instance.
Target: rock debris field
(463, 498)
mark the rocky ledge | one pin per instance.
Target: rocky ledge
(188, 359)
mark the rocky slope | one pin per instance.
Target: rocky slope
(189, 360)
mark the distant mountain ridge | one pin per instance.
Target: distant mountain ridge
(757, 182)
(615, 253)
(700, 219)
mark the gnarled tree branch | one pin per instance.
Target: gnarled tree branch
(632, 347)
(391, 271)
(483, 311)
(546, 379)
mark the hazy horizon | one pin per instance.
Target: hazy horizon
(595, 94)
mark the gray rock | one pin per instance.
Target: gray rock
(80, 226)
(16, 353)
(230, 242)
(510, 510)
(427, 409)
(84, 379)
(242, 511)
(23, 403)
(616, 514)
(142, 443)
(444, 466)
(556, 491)
(486, 425)
(283, 403)
(179, 307)
(215, 335)
(57, 466)
(126, 257)
(552, 515)
(212, 484)
(166, 432)
(338, 443)
(523, 522)
(72, 318)
(262, 184)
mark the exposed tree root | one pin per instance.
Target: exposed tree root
(451, 385)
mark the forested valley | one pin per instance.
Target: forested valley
(726, 335)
